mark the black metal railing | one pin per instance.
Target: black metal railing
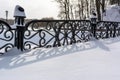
(6, 37)
(55, 33)
(105, 29)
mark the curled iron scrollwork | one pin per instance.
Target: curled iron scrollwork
(53, 33)
(6, 36)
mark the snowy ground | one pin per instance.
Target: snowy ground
(94, 60)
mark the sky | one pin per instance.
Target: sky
(34, 9)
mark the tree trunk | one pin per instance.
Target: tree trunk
(98, 10)
(87, 5)
(103, 6)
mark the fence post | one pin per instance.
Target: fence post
(93, 24)
(115, 26)
(19, 15)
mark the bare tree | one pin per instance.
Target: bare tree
(81, 9)
(115, 2)
(64, 9)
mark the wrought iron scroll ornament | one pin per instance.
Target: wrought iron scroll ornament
(53, 33)
(6, 35)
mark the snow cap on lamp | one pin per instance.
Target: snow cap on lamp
(19, 15)
(19, 12)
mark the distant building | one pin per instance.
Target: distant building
(11, 21)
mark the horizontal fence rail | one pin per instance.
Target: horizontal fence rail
(54, 33)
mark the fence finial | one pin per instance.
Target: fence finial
(19, 15)
(93, 17)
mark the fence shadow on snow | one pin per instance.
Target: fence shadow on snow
(75, 32)
(10, 61)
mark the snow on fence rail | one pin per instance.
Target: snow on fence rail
(54, 33)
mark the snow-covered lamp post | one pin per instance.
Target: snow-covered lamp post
(19, 15)
(93, 19)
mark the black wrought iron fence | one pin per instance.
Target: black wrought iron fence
(65, 32)
(54, 33)
(105, 29)
(6, 37)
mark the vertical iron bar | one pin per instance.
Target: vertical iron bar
(20, 37)
(93, 29)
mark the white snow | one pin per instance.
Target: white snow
(18, 13)
(94, 60)
(112, 13)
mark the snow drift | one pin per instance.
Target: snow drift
(94, 60)
(112, 13)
